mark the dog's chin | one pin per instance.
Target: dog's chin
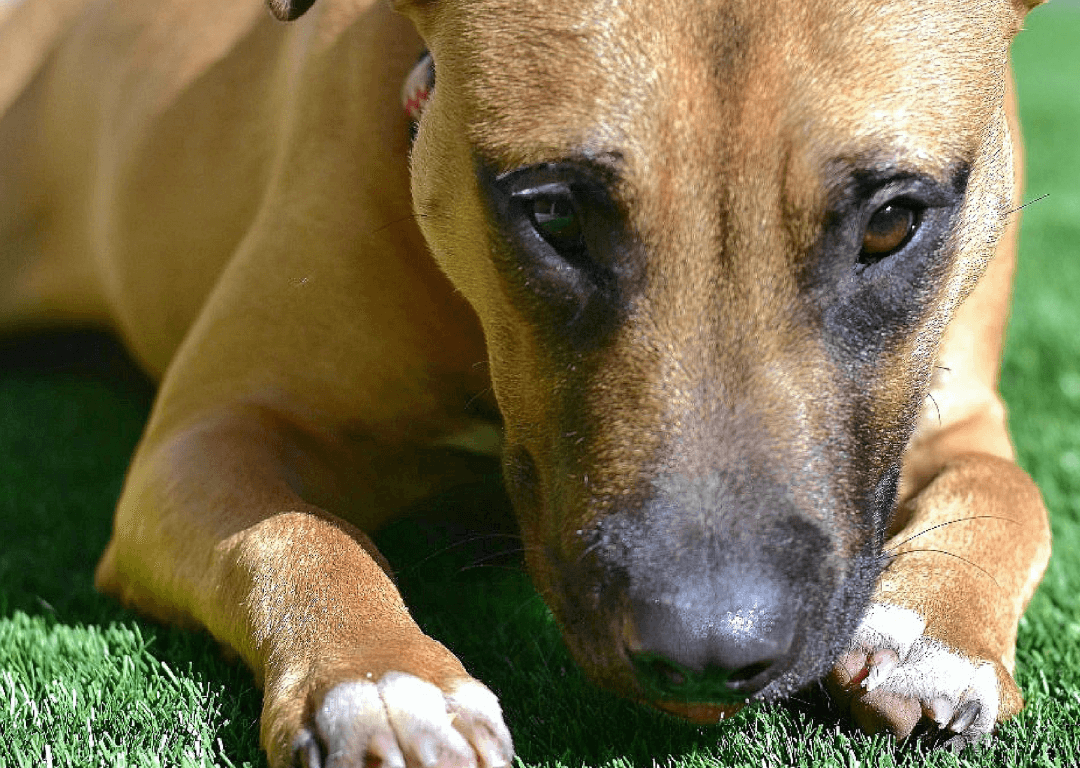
(699, 714)
(609, 668)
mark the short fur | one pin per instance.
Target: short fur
(728, 428)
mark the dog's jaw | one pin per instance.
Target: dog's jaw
(606, 581)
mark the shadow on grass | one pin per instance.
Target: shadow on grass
(72, 406)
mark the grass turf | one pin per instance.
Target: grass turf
(85, 683)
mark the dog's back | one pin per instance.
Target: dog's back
(29, 35)
(113, 120)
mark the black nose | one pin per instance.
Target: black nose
(715, 640)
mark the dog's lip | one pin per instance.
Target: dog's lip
(698, 713)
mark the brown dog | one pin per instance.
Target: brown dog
(739, 271)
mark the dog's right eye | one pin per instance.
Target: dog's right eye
(561, 242)
(560, 220)
(556, 219)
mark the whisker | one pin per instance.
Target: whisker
(486, 560)
(936, 407)
(1029, 202)
(950, 522)
(588, 550)
(463, 542)
(410, 217)
(490, 568)
(950, 554)
(482, 393)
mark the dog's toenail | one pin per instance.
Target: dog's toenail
(941, 711)
(881, 665)
(306, 752)
(966, 714)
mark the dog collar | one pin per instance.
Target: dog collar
(416, 91)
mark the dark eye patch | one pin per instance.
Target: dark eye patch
(561, 241)
(879, 262)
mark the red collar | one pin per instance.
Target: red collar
(416, 91)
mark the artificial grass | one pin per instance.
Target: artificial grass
(85, 683)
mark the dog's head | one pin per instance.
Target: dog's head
(713, 246)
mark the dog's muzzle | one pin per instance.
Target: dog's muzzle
(680, 608)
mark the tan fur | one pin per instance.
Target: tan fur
(316, 362)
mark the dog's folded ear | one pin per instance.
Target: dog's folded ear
(287, 10)
(1022, 7)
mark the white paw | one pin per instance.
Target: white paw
(402, 721)
(909, 679)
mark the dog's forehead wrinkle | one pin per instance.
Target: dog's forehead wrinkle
(633, 81)
(713, 40)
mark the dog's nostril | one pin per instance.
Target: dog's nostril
(665, 679)
(748, 673)
(675, 678)
(661, 671)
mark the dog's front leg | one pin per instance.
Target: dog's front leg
(970, 542)
(936, 649)
(212, 530)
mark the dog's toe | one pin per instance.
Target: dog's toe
(897, 679)
(476, 714)
(402, 721)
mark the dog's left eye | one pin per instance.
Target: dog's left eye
(888, 230)
(556, 219)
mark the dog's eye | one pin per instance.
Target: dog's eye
(557, 221)
(889, 229)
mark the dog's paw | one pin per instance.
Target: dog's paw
(898, 680)
(401, 721)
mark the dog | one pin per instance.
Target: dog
(723, 283)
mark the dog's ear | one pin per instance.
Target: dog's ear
(412, 7)
(287, 10)
(1021, 8)
(418, 11)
